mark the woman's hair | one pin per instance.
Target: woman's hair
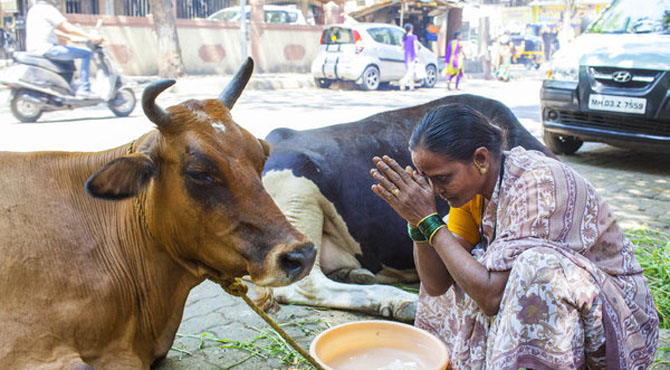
(456, 131)
(408, 27)
(456, 34)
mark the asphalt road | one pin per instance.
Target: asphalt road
(637, 185)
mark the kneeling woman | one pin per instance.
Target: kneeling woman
(551, 284)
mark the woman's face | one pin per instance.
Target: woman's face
(455, 181)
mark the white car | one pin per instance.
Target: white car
(369, 54)
(273, 14)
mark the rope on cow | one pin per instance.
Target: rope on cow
(239, 289)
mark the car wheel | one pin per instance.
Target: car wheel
(561, 144)
(370, 78)
(431, 76)
(24, 107)
(322, 83)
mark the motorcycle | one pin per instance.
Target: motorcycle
(39, 85)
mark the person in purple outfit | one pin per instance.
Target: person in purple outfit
(411, 49)
(454, 58)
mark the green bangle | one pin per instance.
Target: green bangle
(430, 240)
(429, 225)
(415, 234)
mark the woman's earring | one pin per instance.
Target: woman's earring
(480, 167)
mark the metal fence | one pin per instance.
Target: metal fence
(82, 7)
(201, 8)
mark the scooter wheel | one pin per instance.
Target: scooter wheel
(24, 107)
(123, 103)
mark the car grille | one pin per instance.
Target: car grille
(615, 123)
(639, 78)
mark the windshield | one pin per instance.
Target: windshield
(634, 16)
(226, 15)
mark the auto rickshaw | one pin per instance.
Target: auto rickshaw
(528, 50)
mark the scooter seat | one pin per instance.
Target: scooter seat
(59, 67)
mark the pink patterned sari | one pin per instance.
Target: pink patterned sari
(575, 298)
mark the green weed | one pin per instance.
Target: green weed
(267, 344)
(653, 253)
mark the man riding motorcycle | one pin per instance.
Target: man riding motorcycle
(44, 25)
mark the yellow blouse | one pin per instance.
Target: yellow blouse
(465, 221)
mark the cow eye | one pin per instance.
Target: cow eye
(200, 176)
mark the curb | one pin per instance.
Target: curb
(196, 84)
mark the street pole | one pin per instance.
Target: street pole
(243, 27)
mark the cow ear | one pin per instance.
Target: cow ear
(122, 177)
(267, 148)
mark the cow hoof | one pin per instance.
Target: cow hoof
(362, 276)
(406, 312)
(353, 276)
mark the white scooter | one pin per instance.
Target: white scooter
(39, 85)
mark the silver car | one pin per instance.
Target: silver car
(369, 54)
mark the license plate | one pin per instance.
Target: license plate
(333, 48)
(620, 104)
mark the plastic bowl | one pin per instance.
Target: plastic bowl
(378, 345)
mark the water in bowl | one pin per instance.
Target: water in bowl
(377, 358)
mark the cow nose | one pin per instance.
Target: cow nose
(298, 263)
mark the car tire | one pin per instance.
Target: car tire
(322, 83)
(431, 76)
(370, 78)
(561, 144)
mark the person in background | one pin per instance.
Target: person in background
(532, 269)
(44, 25)
(507, 53)
(454, 59)
(411, 50)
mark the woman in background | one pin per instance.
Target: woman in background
(411, 49)
(454, 59)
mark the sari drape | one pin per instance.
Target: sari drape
(576, 295)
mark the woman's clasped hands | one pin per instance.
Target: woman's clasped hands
(405, 190)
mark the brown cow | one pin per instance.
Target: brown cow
(101, 281)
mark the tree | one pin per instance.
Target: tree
(170, 63)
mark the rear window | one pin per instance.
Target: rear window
(276, 16)
(336, 35)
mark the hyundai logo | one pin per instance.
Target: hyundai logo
(621, 76)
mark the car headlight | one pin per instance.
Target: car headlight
(564, 67)
(563, 72)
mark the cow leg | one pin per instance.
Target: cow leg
(353, 276)
(338, 263)
(380, 300)
(311, 213)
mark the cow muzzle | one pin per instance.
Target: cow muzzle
(287, 267)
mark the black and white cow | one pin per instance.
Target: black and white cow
(320, 180)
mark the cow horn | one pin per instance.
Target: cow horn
(234, 89)
(155, 113)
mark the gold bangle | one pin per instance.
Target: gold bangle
(424, 219)
(430, 240)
